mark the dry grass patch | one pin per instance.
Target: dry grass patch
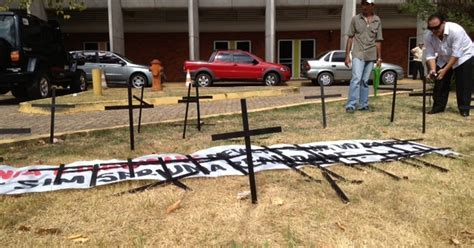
(430, 209)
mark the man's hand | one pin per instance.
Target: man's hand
(379, 62)
(347, 62)
(432, 74)
(441, 73)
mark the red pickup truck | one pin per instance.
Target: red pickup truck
(236, 65)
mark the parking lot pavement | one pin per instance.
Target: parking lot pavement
(40, 124)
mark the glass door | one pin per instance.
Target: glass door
(307, 50)
(411, 45)
(285, 53)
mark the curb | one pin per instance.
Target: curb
(26, 107)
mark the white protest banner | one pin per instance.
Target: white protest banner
(212, 162)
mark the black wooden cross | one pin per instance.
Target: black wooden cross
(15, 130)
(169, 177)
(394, 89)
(130, 108)
(247, 133)
(53, 107)
(328, 174)
(192, 99)
(424, 94)
(323, 101)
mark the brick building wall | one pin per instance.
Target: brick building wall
(395, 46)
(172, 48)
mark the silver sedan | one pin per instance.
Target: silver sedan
(117, 69)
(329, 67)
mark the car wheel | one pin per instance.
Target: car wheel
(325, 78)
(388, 77)
(79, 82)
(271, 79)
(19, 92)
(203, 79)
(138, 80)
(41, 87)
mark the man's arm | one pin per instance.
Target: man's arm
(378, 47)
(347, 62)
(431, 63)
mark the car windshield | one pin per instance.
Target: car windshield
(7, 29)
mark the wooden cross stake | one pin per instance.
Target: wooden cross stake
(53, 107)
(192, 99)
(130, 108)
(323, 101)
(247, 133)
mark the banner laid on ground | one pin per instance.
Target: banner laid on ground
(212, 162)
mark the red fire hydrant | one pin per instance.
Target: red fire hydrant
(156, 70)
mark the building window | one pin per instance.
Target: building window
(96, 45)
(244, 45)
(221, 45)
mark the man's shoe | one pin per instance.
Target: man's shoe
(350, 110)
(365, 109)
(464, 113)
(434, 111)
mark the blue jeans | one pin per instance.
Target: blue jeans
(359, 87)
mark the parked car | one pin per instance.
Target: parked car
(329, 67)
(236, 65)
(32, 58)
(117, 68)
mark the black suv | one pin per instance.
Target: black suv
(32, 58)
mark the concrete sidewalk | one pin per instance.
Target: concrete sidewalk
(87, 121)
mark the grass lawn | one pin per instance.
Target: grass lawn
(430, 209)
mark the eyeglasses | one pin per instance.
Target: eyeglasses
(435, 28)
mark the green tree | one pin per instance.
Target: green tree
(459, 11)
(60, 6)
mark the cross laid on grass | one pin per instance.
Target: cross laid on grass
(15, 131)
(246, 134)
